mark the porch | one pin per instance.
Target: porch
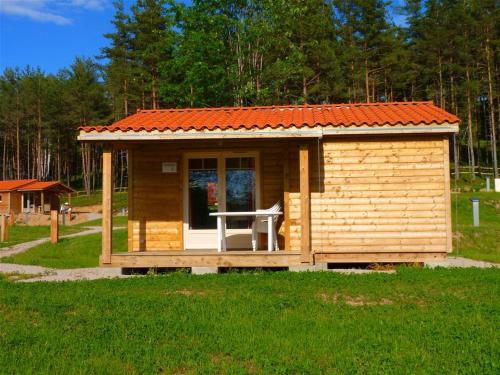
(170, 225)
(42, 197)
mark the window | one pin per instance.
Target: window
(203, 197)
(240, 190)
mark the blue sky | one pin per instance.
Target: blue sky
(50, 33)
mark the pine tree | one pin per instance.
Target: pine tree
(119, 73)
(153, 40)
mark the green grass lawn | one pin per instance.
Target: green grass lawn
(120, 199)
(477, 243)
(418, 321)
(118, 221)
(77, 252)
(24, 233)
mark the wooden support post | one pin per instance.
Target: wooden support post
(305, 204)
(107, 205)
(12, 218)
(286, 195)
(42, 202)
(4, 235)
(130, 180)
(54, 226)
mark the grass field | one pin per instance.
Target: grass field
(477, 243)
(75, 252)
(118, 221)
(120, 199)
(417, 321)
(25, 233)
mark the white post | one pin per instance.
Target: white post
(224, 244)
(219, 234)
(270, 232)
(254, 235)
(475, 211)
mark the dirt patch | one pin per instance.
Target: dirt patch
(15, 276)
(94, 209)
(220, 358)
(44, 219)
(84, 217)
(353, 301)
(33, 219)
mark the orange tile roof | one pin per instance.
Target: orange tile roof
(345, 115)
(32, 185)
(10, 185)
(45, 185)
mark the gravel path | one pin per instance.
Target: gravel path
(459, 262)
(52, 274)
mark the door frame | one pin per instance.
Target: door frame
(221, 169)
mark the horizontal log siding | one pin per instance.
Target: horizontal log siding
(156, 211)
(378, 195)
(4, 203)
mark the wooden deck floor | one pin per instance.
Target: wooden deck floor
(260, 258)
(206, 258)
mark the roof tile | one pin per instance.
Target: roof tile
(340, 115)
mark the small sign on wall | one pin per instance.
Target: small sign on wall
(169, 167)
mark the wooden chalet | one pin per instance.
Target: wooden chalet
(355, 182)
(31, 196)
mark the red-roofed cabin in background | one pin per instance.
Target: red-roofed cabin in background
(31, 196)
(357, 183)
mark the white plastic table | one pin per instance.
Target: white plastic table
(221, 226)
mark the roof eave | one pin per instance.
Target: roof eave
(292, 132)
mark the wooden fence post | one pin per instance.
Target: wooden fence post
(4, 236)
(54, 226)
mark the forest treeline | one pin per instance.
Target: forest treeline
(164, 54)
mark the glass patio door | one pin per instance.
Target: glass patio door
(216, 184)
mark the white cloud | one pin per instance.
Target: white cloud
(89, 4)
(48, 10)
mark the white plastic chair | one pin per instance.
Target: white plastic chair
(260, 225)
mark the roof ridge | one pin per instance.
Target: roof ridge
(281, 106)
